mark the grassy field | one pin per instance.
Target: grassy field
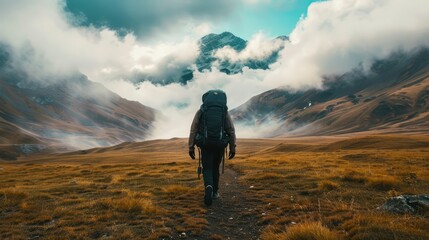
(338, 186)
(318, 188)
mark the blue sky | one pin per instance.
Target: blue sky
(149, 18)
(273, 19)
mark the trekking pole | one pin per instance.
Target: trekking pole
(223, 161)
(199, 170)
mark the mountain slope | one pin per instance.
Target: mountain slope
(74, 111)
(393, 97)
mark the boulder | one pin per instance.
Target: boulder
(410, 204)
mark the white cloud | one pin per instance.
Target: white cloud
(156, 63)
(258, 48)
(339, 35)
(39, 33)
(178, 103)
(46, 44)
(203, 29)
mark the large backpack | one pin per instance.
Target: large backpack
(211, 130)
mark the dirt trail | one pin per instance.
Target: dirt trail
(233, 215)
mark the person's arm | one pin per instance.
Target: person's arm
(231, 132)
(194, 129)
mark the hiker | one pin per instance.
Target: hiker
(212, 130)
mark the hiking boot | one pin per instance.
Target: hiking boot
(215, 195)
(208, 197)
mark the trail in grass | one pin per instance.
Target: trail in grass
(233, 215)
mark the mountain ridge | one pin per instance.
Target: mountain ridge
(394, 96)
(211, 43)
(70, 113)
(206, 60)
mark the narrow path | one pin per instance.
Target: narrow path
(233, 215)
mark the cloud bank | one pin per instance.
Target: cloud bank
(339, 35)
(335, 37)
(46, 44)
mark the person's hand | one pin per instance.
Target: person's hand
(231, 154)
(192, 153)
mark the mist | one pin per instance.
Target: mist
(333, 38)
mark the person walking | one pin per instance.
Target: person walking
(212, 131)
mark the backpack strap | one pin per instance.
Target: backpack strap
(203, 121)
(200, 169)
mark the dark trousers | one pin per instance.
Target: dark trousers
(211, 159)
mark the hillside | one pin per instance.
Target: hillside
(392, 97)
(72, 112)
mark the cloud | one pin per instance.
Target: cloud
(339, 35)
(47, 45)
(203, 29)
(178, 103)
(44, 43)
(146, 18)
(258, 48)
(162, 63)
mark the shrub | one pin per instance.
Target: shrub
(175, 189)
(327, 185)
(126, 204)
(303, 231)
(12, 197)
(383, 226)
(383, 183)
(353, 176)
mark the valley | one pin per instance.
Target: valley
(329, 102)
(273, 189)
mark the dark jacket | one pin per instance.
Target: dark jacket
(229, 128)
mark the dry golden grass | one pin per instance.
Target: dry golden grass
(383, 183)
(125, 195)
(132, 206)
(303, 231)
(339, 185)
(327, 185)
(384, 226)
(150, 190)
(12, 196)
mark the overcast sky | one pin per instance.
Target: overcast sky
(111, 41)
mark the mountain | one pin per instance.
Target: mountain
(72, 112)
(212, 42)
(393, 97)
(209, 44)
(206, 60)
